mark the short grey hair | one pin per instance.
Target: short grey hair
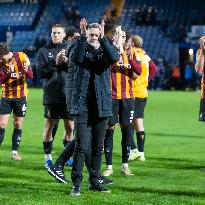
(94, 25)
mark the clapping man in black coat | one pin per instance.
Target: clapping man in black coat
(89, 101)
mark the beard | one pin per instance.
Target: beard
(96, 45)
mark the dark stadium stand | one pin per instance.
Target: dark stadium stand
(52, 13)
(18, 14)
(167, 27)
(91, 10)
(155, 43)
(174, 12)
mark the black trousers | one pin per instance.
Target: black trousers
(90, 133)
(68, 152)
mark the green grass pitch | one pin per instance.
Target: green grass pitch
(174, 150)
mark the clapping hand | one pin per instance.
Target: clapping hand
(118, 38)
(61, 57)
(129, 50)
(83, 26)
(202, 43)
(102, 28)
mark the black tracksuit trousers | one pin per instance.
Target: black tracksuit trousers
(90, 133)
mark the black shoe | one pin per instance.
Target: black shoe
(105, 181)
(58, 173)
(76, 190)
(99, 188)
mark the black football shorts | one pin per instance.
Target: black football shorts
(140, 104)
(122, 111)
(57, 111)
(17, 105)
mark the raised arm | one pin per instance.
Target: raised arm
(134, 61)
(136, 66)
(199, 66)
(4, 75)
(109, 50)
(27, 67)
(152, 70)
(79, 52)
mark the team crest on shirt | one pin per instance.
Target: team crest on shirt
(123, 66)
(16, 74)
(50, 55)
(49, 113)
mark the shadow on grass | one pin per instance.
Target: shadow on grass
(172, 163)
(163, 192)
(25, 188)
(27, 178)
(176, 135)
(36, 175)
(24, 165)
(25, 149)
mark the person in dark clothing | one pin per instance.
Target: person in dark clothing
(71, 34)
(51, 67)
(57, 169)
(74, 71)
(89, 100)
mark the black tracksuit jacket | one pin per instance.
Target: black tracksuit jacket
(55, 76)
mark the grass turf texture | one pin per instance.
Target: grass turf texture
(172, 173)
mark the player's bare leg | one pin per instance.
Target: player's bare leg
(48, 140)
(3, 124)
(139, 127)
(16, 136)
(69, 129)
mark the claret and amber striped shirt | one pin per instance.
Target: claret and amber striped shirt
(14, 84)
(122, 78)
(203, 76)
